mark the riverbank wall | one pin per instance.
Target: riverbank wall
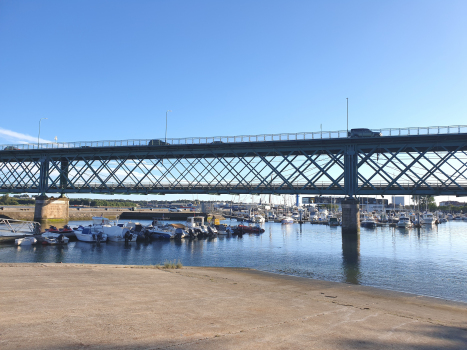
(75, 214)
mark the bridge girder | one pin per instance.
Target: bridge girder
(410, 165)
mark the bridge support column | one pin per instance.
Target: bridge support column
(51, 208)
(350, 216)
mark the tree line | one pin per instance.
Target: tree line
(7, 200)
(106, 202)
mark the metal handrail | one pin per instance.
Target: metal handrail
(429, 130)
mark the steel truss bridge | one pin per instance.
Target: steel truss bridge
(413, 161)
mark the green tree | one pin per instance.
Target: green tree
(425, 202)
(7, 200)
(331, 206)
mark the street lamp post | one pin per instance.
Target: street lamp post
(347, 116)
(39, 136)
(166, 124)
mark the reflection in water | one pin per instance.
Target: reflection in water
(351, 257)
(60, 253)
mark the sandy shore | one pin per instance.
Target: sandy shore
(71, 306)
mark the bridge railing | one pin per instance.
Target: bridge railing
(430, 130)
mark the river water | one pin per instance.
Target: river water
(429, 261)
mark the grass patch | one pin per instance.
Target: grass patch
(171, 265)
(56, 220)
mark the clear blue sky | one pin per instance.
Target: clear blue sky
(110, 69)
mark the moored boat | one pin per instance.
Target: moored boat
(118, 234)
(25, 241)
(248, 229)
(368, 222)
(333, 221)
(54, 238)
(427, 218)
(170, 231)
(404, 222)
(65, 229)
(86, 235)
(257, 218)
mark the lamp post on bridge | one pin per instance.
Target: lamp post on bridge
(166, 124)
(39, 136)
(347, 116)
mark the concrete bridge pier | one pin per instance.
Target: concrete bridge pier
(51, 208)
(350, 216)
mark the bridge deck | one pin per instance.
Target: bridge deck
(434, 164)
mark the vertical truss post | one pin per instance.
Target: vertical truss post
(63, 173)
(350, 171)
(44, 175)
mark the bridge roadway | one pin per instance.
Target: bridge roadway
(388, 165)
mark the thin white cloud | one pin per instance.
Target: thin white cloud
(16, 137)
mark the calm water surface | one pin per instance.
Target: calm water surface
(428, 261)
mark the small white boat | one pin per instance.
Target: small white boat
(196, 224)
(88, 235)
(323, 215)
(55, 238)
(118, 234)
(114, 233)
(25, 241)
(368, 221)
(259, 219)
(314, 218)
(427, 219)
(287, 220)
(404, 222)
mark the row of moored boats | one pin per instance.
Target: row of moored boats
(402, 219)
(102, 230)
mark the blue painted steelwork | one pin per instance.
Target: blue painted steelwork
(432, 164)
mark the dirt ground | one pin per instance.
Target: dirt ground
(70, 306)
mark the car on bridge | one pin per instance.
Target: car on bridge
(363, 132)
(157, 143)
(11, 148)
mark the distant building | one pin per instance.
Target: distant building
(451, 203)
(366, 203)
(398, 201)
